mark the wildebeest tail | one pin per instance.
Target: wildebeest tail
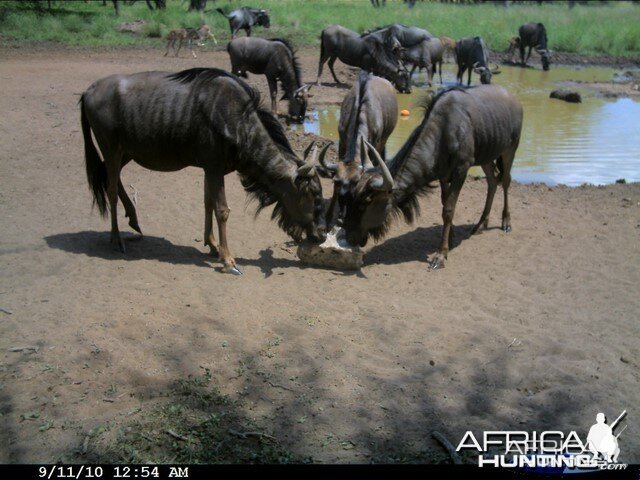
(322, 45)
(221, 12)
(96, 171)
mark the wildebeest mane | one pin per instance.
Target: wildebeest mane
(354, 118)
(409, 206)
(256, 181)
(297, 69)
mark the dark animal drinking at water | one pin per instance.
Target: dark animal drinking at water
(427, 54)
(274, 58)
(205, 118)
(462, 128)
(368, 53)
(244, 18)
(534, 35)
(369, 111)
(472, 54)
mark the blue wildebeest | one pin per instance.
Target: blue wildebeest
(369, 111)
(398, 34)
(205, 118)
(462, 128)
(367, 53)
(276, 59)
(534, 35)
(427, 54)
(472, 54)
(246, 17)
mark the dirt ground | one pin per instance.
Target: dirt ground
(533, 330)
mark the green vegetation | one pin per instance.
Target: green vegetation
(592, 29)
(195, 424)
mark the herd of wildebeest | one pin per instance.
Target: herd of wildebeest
(212, 119)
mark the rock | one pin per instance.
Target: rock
(567, 96)
(334, 252)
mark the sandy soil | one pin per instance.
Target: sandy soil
(533, 330)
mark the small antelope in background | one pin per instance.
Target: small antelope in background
(189, 35)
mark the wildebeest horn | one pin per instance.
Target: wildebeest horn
(302, 89)
(331, 166)
(496, 71)
(308, 149)
(387, 179)
(308, 169)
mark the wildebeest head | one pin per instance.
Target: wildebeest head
(262, 19)
(306, 211)
(403, 80)
(485, 73)
(369, 202)
(298, 103)
(544, 56)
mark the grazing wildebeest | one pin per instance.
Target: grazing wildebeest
(246, 17)
(276, 59)
(534, 35)
(369, 111)
(472, 54)
(426, 54)
(206, 118)
(368, 53)
(462, 128)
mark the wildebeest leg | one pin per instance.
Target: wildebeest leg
(528, 55)
(469, 77)
(112, 164)
(179, 47)
(332, 60)
(448, 209)
(521, 54)
(507, 161)
(129, 208)
(444, 192)
(209, 238)
(215, 182)
(169, 44)
(248, 31)
(440, 71)
(191, 48)
(273, 92)
(492, 186)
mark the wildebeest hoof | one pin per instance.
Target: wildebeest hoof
(213, 251)
(118, 244)
(134, 224)
(436, 263)
(232, 269)
(506, 228)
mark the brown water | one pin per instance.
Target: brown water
(596, 141)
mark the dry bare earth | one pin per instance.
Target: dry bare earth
(533, 330)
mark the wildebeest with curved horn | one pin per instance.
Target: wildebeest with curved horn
(276, 59)
(462, 128)
(472, 54)
(369, 111)
(534, 35)
(205, 118)
(244, 18)
(367, 53)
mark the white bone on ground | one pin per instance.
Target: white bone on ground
(334, 252)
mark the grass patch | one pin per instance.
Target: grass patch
(591, 29)
(195, 425)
